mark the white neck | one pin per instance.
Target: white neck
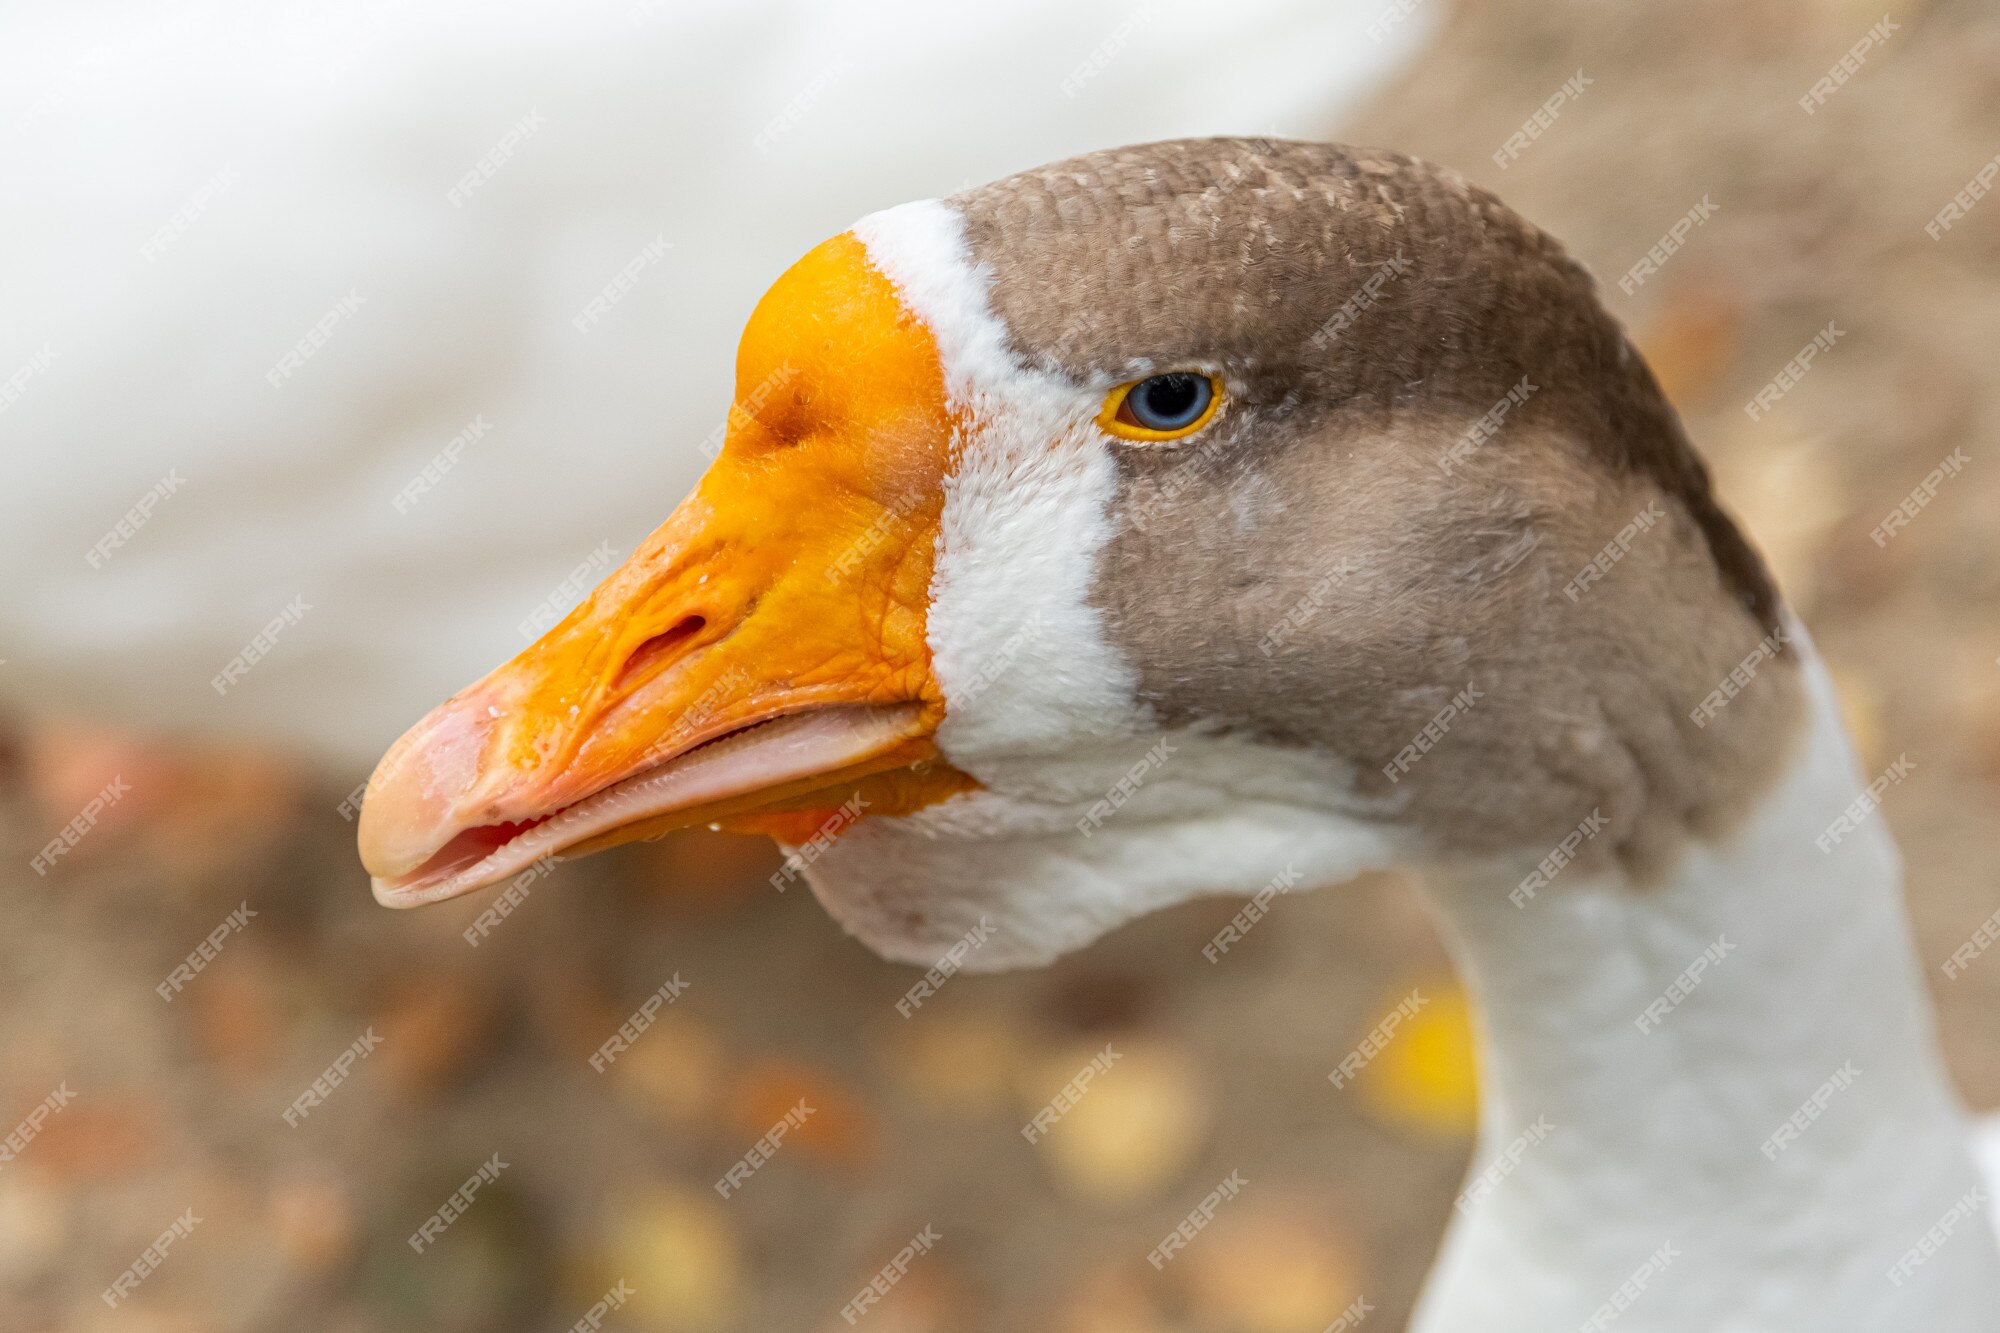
(1631, 1176)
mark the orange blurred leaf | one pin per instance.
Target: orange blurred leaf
(841, 1127)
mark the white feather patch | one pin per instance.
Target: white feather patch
(1021, 655)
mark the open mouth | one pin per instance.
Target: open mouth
(760, 765)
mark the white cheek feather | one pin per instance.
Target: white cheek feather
(1021, 656)
(1040, 875)
(911, 888)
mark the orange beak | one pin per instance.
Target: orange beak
(760, 660)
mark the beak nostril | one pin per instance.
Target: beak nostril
(658, 648)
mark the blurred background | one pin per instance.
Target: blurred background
(351, 345)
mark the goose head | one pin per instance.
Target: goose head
(1163, 522)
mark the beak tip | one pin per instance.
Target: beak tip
(389, 845)
(412, 804)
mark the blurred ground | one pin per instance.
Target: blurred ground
(1222, 1068)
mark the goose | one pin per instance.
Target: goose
(1171, 519)
(451, 188)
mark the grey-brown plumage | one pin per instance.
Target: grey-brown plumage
(1250, 251)
(1347, 547)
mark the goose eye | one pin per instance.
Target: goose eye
(1162, 407)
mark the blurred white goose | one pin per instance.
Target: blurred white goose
(305, 301)
(1169, 520)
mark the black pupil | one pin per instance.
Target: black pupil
(1168, 402)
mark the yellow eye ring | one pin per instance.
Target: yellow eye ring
(1163, 407)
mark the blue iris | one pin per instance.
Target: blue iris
(1170, 402)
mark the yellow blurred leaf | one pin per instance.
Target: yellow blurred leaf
(1861, 711)
(1270, 1268)
(679, 1254)
(34, 1224)
(1425, 1077)
(675, 1069)
(1134, 1129)
(1789, 493)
